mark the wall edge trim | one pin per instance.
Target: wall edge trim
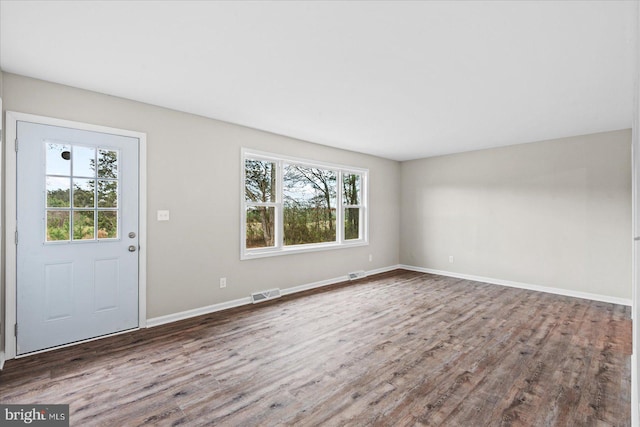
(521, 285)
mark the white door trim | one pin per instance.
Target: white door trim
(3, 331)
(635, 185)
(10, 215)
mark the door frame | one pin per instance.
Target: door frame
(10, 257)
(635, 220)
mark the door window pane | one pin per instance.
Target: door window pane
(57, 192)
(260, 227)
(107, 194)
(84, 161)
(107, 224)
(57, 158)
(83, 225)
(83, 193)
(107, 164)
(57, 226)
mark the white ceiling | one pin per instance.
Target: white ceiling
(401, 80)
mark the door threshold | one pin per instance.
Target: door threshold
(58, 347)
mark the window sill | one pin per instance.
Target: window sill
(297, 249)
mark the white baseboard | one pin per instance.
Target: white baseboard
(520, 285)
(174, 317)
(333, 281)
(306, 287)
(383, 269)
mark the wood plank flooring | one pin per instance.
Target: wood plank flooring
(397, 349)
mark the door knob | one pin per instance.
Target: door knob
(132, 248)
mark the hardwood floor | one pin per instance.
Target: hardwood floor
(396, 349)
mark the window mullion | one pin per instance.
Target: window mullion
(279, 204)
(340, 208)
(267, 204)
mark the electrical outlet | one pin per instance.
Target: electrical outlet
(223, 282)
(451, 259)
(370, 257)
(163, 215)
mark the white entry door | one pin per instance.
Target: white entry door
(77, 240)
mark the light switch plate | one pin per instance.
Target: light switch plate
(163, 215)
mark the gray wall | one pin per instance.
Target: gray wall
(554, 213)
(194, 171)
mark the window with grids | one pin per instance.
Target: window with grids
(293, 205)
(81, 192)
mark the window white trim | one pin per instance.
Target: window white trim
(279, 248)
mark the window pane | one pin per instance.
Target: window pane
(107, 194)
(107, 164)
(107, 224)
(308, 225)
(351, 189)
(260, 181)
(83, 225)
(83, 193)
(309, 205)
(57, 225)
(84, 161)
(351, 223)
(260, 227)
(57, 192)
(58, 159)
